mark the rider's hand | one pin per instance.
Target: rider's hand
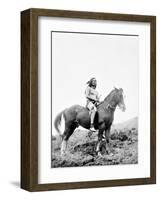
(98, 98)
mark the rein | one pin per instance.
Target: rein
(108, 106)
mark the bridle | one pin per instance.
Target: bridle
(110, 106)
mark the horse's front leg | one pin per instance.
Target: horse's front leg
(100, 136)
(107, 137)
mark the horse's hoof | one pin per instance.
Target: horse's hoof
(108, 150)
(99, 155)
(111, 154)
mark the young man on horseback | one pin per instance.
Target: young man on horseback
(92, 100)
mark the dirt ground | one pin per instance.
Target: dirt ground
(81, 150)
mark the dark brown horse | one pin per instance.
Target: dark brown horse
(70, 118)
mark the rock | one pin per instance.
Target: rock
(123, 136)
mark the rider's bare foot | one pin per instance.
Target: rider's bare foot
(92, 128)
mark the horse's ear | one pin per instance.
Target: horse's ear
(120, 89)
(115, 88)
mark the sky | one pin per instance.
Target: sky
(112, 59)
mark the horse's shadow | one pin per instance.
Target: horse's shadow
(89, 148)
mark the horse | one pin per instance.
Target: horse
(70, 118)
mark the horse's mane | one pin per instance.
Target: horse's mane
(109, 95)
(107, 98)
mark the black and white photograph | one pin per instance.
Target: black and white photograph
(88, 99)
(94, 99)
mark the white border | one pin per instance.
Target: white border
(46, 174)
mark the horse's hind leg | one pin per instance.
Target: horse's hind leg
(65, 138)
(67, 133)
(63, 147)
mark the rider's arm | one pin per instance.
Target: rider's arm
(98, 97)
(89, 95)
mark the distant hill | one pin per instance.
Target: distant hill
(129, 124)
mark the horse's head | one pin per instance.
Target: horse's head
(119, 96)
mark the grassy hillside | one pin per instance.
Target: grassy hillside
(129, 124)
(81, 148)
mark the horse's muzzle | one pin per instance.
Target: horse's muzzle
(122, 107)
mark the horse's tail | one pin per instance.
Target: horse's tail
(59, 123)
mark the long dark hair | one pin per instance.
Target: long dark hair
(89, 83)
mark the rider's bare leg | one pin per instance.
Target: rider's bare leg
(92, 112)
